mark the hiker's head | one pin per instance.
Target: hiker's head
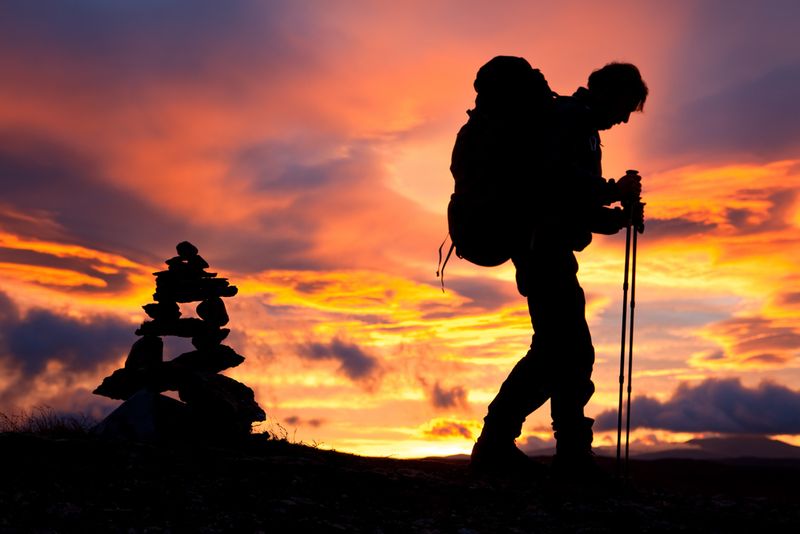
(617, 91)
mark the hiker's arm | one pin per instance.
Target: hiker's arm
(606, 191)
(608, 221)
(575, 188)
(610, 191)
(582, 177)
(585, 190)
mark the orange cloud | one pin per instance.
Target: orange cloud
(751, 342)
(451, 429)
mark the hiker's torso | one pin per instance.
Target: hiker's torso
(573, 172)
(576, 140)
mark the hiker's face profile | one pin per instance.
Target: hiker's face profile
(621, 116)
(613, 111)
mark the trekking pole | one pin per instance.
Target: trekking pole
(630, 207)
(622, 343)
(630, 351)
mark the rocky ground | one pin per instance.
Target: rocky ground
(78, 483)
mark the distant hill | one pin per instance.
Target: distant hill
(705, 449)
(729, 448)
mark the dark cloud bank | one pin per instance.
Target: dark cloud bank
(448, 429)
(717, 405)
(354, 362)
(135, 41)
(759, 117)
(677, 227)
(442, 397)
(735, 74)
(68, 188)
(41, 175)
(296, 420)
(28, 343)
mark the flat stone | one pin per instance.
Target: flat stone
(145, 352)
(174, 276)
(229, 291)
(211, 360)
(196, 291)
(213, 311)
(121, 384)
(186, 249)
(225, 405)
(187, 269)
(189, 327)
(197, 262)
(210, 338)
(165, 311)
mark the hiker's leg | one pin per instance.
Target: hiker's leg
(557, 305)
(573, 387)
(522, 392)
(525, 389)
(530, 382)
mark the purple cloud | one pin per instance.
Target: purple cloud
(716, 405)
(295, 420)
(28, 343)
(677, 227)
(354, 362)
(448, 429)
(454, 397)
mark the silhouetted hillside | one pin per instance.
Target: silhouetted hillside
(723, 448)
(729, 448)
(84, 485)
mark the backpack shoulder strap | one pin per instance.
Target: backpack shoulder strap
(440, 267)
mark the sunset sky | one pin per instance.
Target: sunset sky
(304, 146)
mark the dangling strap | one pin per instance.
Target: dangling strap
(440, 267)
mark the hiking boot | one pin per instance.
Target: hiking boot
(499, 457)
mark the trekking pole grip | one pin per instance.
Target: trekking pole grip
(634, 207)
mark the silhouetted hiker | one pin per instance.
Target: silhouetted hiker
(569, 204)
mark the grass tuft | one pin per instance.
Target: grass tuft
(45, 421)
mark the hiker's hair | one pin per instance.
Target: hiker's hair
(620, 78)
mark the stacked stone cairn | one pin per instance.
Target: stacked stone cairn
(213, 405)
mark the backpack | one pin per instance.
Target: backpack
(494, 163)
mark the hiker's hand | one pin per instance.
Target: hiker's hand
(629, 187)
(622, 218)
(637, 216)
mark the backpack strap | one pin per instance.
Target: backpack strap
(440, 267)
